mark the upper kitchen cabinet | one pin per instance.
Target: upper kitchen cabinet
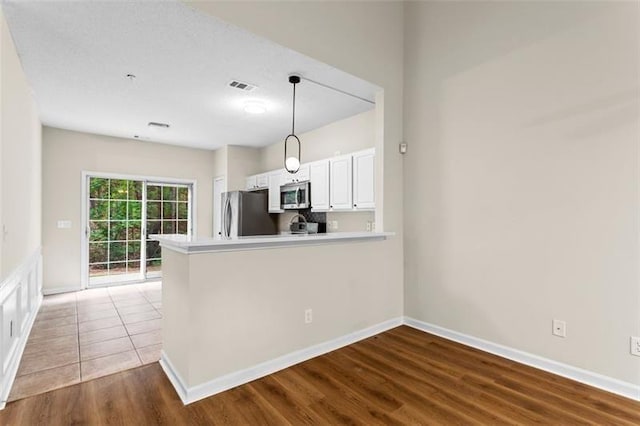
(302, 175)
(319, 178)
(274, 191)
(364, 184)
(256, 182)
(340, 180)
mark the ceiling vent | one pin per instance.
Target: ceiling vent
(156, 125)
(242, 85)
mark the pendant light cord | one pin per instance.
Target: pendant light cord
(293, 121)
(326, 86)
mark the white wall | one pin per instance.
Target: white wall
(20, 152)
(66, 154)
(242, 161)
(522, 175)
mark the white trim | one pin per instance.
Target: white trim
(174, 377)
(590, 378)
(32, 265)
(84, 242)
(222, 178)
(58, 290)
(231, 380)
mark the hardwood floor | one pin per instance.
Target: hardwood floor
(402, 376)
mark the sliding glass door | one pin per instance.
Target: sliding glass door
(122, 214)
(168, 210)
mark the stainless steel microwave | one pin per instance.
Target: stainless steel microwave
(295, 196)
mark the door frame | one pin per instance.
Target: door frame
(84, 202)
(222, 178)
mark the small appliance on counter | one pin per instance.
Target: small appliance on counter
(302, 227)
(246, 213)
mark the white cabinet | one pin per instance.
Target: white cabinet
(364, 185)
(340, 179)
(257, 182)
(319, 179)
(302, 175)
(250, 183)
(274, 192)
(262, 181)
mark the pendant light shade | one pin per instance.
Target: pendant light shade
(292, 162)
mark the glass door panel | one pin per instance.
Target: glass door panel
(115, 240)
(168, 212)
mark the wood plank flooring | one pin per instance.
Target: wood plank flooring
(402, 376)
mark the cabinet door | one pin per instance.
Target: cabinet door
(364, 185)
(274, 192)
(250, 183)
(340, 189)
(262, 181)
(319, 178)
(303, 174)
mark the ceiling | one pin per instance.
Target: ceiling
(76, 56)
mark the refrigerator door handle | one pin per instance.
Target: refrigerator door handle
(228, 218)
(223, 218)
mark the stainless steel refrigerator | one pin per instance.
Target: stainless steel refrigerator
(246, 213)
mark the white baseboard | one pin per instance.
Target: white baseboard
(31, 265)
(204, 390)
(600, 381)
(58, 290)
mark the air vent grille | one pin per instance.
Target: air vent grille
(155, 124)
(241, 85)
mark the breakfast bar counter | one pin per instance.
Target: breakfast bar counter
(184, 244)
(241, 308)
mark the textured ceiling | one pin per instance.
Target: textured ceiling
(76, 56)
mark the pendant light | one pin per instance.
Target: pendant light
(292, 163)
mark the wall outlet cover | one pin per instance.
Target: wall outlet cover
(635, 345)
(559, 328)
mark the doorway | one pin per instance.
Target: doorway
(219, 186)
(122, 213)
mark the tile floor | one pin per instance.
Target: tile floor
(80, 336)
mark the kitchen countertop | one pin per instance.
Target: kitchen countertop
(184, 244)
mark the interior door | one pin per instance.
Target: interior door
(219, 186)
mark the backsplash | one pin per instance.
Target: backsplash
(347, 221)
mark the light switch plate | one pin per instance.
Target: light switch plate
(64, 224)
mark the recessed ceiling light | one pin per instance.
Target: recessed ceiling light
(255, 107)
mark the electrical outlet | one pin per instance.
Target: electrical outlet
(368, 226)
(373, 226)
(334, 225)
(308, 316)
(559, 328)
(635, 346)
